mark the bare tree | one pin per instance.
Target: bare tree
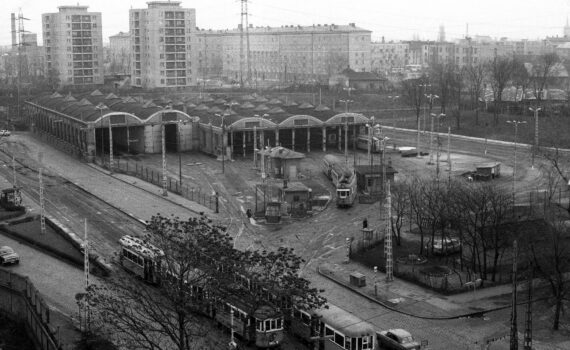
(168, 317)
(500, 71)
(400, 208)
(550, 254)
(541, 72)
(412, 91)
(521, 78)
(475, 75)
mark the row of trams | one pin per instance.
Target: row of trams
(265, 327)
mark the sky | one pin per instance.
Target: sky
(393, 20)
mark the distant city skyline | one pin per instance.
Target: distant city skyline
(397, 20)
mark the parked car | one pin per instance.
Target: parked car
(397, 339)
(8, 256)
(445, 247)
(5, 133)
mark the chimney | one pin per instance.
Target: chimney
(13, 22)
(382, 39)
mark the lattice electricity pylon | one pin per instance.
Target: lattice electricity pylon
(42, 216)
(164, 190)
(14, 170)
(86, 258)
(388, 237)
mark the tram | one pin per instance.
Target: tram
(264, 326)
(363, 141)
(343, 178)
(334, 328)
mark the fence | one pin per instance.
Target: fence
(19, 298)
(154, 176)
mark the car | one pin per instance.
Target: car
(397, 339)
(8, 256)
(445, 247)
(5, 133)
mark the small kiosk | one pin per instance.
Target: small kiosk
(11, 199)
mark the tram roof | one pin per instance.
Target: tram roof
(345, 322)
(141, 247)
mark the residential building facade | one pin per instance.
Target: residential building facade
(163, 48)
(120, 53)
(387, 57)
(73, 43)
(291, 54)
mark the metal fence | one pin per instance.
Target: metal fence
(19, 298)
(154, 176)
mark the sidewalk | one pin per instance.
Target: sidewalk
(410, 299)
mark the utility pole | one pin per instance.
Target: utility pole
(535, 148)
(388, 237)
(528, 326)
(244, 22)
(514, 331)
(42, 200)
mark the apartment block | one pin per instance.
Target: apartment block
(74, 45)
(388, 57)
(163, 48)
(299, 54)
(120, 53)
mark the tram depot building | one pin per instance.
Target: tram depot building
(91, 123)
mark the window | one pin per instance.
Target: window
(339, 339)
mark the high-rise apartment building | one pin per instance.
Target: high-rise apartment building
(73, 42)
(162, 45)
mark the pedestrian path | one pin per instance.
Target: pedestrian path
(411, 299)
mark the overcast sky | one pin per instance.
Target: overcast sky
(394, 19)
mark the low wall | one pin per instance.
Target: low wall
(22, 301)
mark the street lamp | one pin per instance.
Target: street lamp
(223, 141)
(101, 106)
(516, 124)
(430, 98)
(535, 149)
(163, 133)
(433, 116)
(346, 102)
(349, 89)
(370, 127)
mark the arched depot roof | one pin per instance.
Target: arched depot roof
(84, 107)
(342, 118)
(300, 120)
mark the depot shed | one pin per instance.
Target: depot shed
(489, 170)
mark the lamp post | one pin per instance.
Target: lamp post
(535, 149)
(163, 134)
(516, 124)
(346, 102)
(433, 116)
(101, 106)
(430, 98)
(349, 89)
(223, 147)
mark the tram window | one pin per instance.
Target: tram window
(259, 325)
(306, 319)
(328, 331)
(359, 343)
(267, 325)
(367, 342)
(347, 343)
(279, 323)
(339, 339)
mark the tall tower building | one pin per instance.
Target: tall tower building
(441, 34)
(163, 45)
(73, 42)
(567, 29)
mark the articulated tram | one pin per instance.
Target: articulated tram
(263, 327)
